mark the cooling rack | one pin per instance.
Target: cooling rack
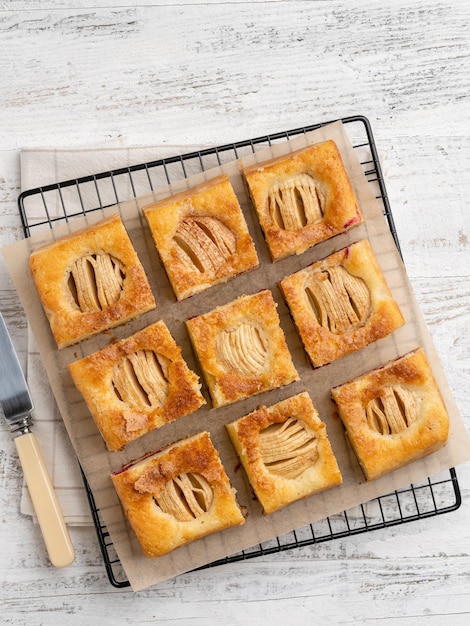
(50, 205)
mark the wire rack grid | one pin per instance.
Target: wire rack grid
(51, 205)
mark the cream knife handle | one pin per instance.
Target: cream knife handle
(51, 521)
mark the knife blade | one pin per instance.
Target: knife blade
(17, 406)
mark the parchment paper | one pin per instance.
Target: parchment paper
(97, 463)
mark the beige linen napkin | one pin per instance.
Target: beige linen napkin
(41, 167)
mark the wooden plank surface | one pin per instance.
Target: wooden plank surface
(84, 73)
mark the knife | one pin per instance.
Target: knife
(17, 405)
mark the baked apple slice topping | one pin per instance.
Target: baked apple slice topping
(288, 449)
(242, 349)
(340, 301)
(296, 202)
(185, 497)
(393, 411)
(96, 282)
(205, 242)
(140, 379)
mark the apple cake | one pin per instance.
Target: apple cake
(177, 495)
(285, 452)
(341, 304)
(90, 281)
(393, 415)
(137, 385)
(201, 236)
(302, 198)
(242, 348)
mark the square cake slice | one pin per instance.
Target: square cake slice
(285, 452)
(242, 348)
(201, 236)
(177, 495)
(90, 281)
(302, 198)
(393, 415)
(341, 304)
(136, 385)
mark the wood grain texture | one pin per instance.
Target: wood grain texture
(85, 72)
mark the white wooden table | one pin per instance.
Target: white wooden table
(212, 72)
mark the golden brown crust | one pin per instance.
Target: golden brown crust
(124, 409)
(305, 466)
(144, 486)
(241, 348)
(341, 304)
(201, 236)
(413, 419)
(53, 265)
(328, 205)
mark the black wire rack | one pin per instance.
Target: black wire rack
(50, 205)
